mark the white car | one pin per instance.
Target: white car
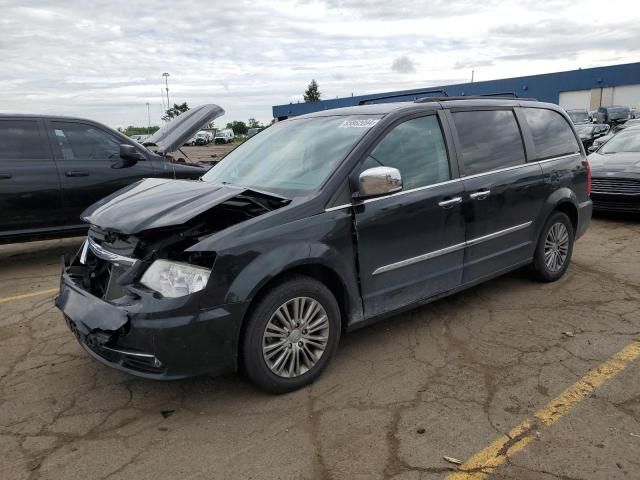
(224, 136)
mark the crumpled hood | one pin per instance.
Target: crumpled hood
(155, 203)
(626, 163)
(173, 135)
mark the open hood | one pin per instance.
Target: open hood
(173, 135)
(156, 203)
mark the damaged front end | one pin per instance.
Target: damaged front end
(133, 326)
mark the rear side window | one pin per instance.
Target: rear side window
(552, 135)
(490, 140)
(83, 141)
(416, 148)
(20, 140)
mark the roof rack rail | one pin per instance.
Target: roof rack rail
(398, 95)
(474, 97)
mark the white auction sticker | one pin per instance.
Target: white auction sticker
(359, 123)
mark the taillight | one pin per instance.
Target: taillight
(588, 178)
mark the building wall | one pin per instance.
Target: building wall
(607, 81)
(627, 95)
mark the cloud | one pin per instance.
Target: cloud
(403, 65)
(104, 59)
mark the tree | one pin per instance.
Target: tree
(131, 130)
(312, 93)
(253, 123)
(175, 111)
(238, 127)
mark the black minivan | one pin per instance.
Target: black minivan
(323, 223)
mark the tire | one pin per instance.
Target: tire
(262, 356)
(555, 247)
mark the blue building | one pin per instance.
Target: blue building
(587, 88)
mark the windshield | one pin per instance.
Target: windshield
(578, 116)
(627, 141)
(292, 157)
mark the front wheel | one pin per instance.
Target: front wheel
(554, 249)
(291, 335)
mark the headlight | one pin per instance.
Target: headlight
(173, 279)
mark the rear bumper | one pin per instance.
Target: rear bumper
(158, 338)
(585, 210)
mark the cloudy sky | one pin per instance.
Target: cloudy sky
(104, 59)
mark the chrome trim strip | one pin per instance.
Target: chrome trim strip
(546, 160)
(499, 233)
(105, 254)
(499, 170)
(338, 207)
(450, 249)
(403, 192)
(126, 352)
(83, 254)
(419, 258)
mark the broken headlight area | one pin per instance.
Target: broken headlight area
(174, 279)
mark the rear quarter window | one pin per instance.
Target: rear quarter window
(490, 140)
(552, 135)
(20, 140)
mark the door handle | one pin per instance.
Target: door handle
(480, 195)
(450, 203)
(5, 176)
(77, 173)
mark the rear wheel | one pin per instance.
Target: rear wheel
(291, 335)
(554, 249)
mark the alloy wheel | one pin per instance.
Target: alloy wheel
(556, 247)
(295, 337)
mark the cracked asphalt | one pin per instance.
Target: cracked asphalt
(443, 380)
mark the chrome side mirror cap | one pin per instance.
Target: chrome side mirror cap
(378, 181)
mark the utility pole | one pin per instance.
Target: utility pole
(166, 84)
(472, 73)
(148, 119)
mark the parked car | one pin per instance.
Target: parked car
(613, 114)
(588, 132)
(139, 138)
(224, 136)
(323, 223)
(52, 168)
(616, 173)
(578, 115)
(253, 131)
(617, 128)
(202, 138)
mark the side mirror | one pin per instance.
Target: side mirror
(592, 149)
(130, 154)
(378, 181)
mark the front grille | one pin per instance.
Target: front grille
(615, 185)
(617, 206)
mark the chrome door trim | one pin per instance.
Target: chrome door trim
(419, 258)
(105, 254)
(338, 207)
(499, 233)
(450, 249)
(417, 189)
(557, 158)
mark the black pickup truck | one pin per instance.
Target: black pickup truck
(52, 168)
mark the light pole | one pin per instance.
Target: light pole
(148, 119)
(166, 84)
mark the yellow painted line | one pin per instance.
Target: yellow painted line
(28, 295)
(483, 463)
